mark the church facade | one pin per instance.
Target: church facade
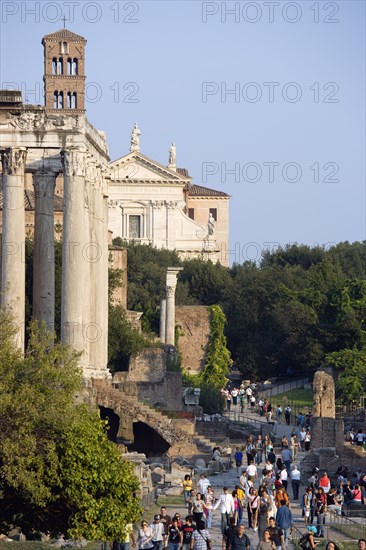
(158, 205)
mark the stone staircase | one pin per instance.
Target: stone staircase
(180, 433)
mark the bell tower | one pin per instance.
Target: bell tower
(64, 72)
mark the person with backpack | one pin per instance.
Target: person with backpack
(307, 541)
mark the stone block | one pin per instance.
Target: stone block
(157, 475)
(179, 470)
(173, 479)
(327, 432)
(199, 464)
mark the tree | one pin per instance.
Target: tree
(58, 471)
(351, 384)
(123, 340)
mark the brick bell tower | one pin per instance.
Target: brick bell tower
(64, 72)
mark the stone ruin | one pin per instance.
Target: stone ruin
(327, 441)
(324, 395)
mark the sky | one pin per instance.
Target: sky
(265, 100)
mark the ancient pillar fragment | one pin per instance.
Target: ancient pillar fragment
(44, 248)
(171, 284)
(162, 320)
(13, 240)
(73, 249)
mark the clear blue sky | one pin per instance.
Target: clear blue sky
(310, 51)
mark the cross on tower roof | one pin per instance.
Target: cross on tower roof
(64, 20)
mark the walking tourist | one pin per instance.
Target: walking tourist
(276, 534)
(144, 540)
(226, 503)
(201, 539)
(295, 481)
(240, 541)
(157, 533)
(265, 542)
(284, 519)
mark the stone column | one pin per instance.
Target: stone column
(162, 320)
(104, 279)
(44, 182)
(13, 241)
(73, 264)
(171, 284)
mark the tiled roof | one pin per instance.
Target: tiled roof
(64, 34)
(200, 191)
(183, 172)
(29, 201)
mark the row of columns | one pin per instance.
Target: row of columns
(84, 300)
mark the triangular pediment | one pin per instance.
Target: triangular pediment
(138, 168)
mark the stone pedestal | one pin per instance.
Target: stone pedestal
(327, 432)
(171, 284)
(44, 249)
(13, 237)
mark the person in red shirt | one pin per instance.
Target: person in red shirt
(324, 482)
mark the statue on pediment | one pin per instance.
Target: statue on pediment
(211, 225)
(172, 155)
(135, 138)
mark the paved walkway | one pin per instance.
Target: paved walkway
(231, 478)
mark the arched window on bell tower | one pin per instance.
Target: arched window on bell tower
(60, 66)
(74, 66)
(60, 100)
(54, 65)
(64, 48)
(55, 99)
(69, 65)
(74, 101)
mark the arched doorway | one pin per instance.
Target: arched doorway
(147, 441)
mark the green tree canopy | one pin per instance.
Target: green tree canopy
(351, 384)
(58, 471)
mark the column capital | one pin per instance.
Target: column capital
(13, 160)
(44, 182)
(74, 161)
(170, 291)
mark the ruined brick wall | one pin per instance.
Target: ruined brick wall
(148, 380)
(194, 333)
(148, 365)
(165, 394)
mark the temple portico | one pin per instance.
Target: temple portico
(83, 162)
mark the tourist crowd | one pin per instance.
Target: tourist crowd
(267, 484)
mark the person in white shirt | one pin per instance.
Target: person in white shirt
(248, 392)
(252, 470)
(203, 484)
(226, 503)
(284, 477)
(295, 481)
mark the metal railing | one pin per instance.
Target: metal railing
(148, 500)
(348, 527)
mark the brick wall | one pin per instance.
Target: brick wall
(194, 333)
